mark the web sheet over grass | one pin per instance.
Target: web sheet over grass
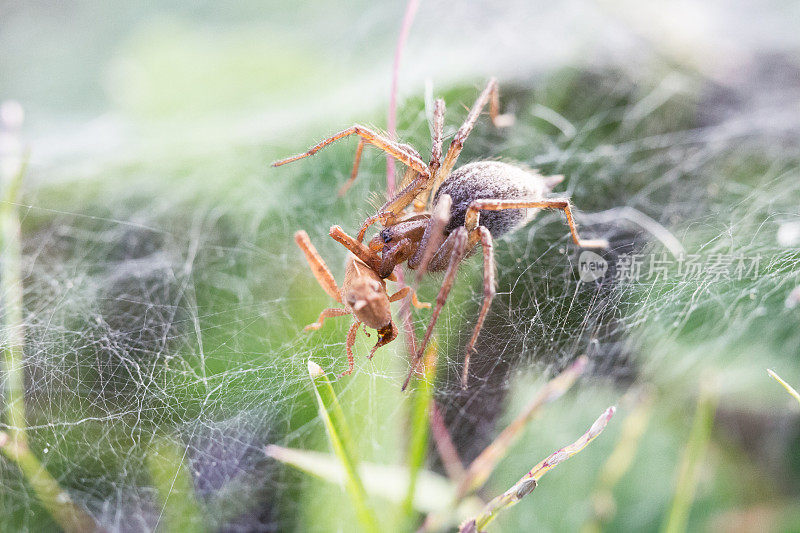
(167, 300)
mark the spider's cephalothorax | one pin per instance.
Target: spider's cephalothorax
(440, 215)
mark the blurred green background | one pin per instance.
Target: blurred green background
(165, 297)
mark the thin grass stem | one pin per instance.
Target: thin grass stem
(14, 442)
(530, 481)
(689, 468)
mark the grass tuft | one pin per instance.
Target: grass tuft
(339, 436)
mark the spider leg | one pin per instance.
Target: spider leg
(354, 172)
(432, 238)
(473, 212)
(490, 95)
(394, 256)
(318, 266)
(385, 336)
(392, 209)
(351, 340)
(408, 177)
(402, 293)
(421, 200)
(485, 237)
(441, 258)
(327, 313)
(459, 242)
(401, 152)
(438, 133)
(418, 190)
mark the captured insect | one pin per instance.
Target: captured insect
(363, 295)
(440, 215)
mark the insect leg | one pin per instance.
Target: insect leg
(317, 265)
(359, 249)
(327, 313)
(402, 293)
(351, 340)
(392, 209)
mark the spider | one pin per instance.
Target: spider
(440, 215)
(363, 295)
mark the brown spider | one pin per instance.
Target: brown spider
(476, 203)
(363, 295)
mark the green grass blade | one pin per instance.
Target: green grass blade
(180, 510)
(692, 458)
(791, 390)
(420, 405)
(332, 415)
(57, 502)
(14, 444)
(529, 481)
(11, 298)
(434, 492)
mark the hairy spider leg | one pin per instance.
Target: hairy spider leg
(471, 219)
(401, 152)
(438, 134)
(436, 155)
(432, 238)
(491, 95)
(414, 191)
(351, 340)
(420, 188)
(482, 233)
(318, 266)
(353, 173)
(408, 177)
(421, 201)
(458, 241)
(392, 257)
(391, 210)
(479, 234)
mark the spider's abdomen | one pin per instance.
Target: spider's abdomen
(492, 180)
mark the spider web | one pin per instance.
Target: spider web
(175, 310)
